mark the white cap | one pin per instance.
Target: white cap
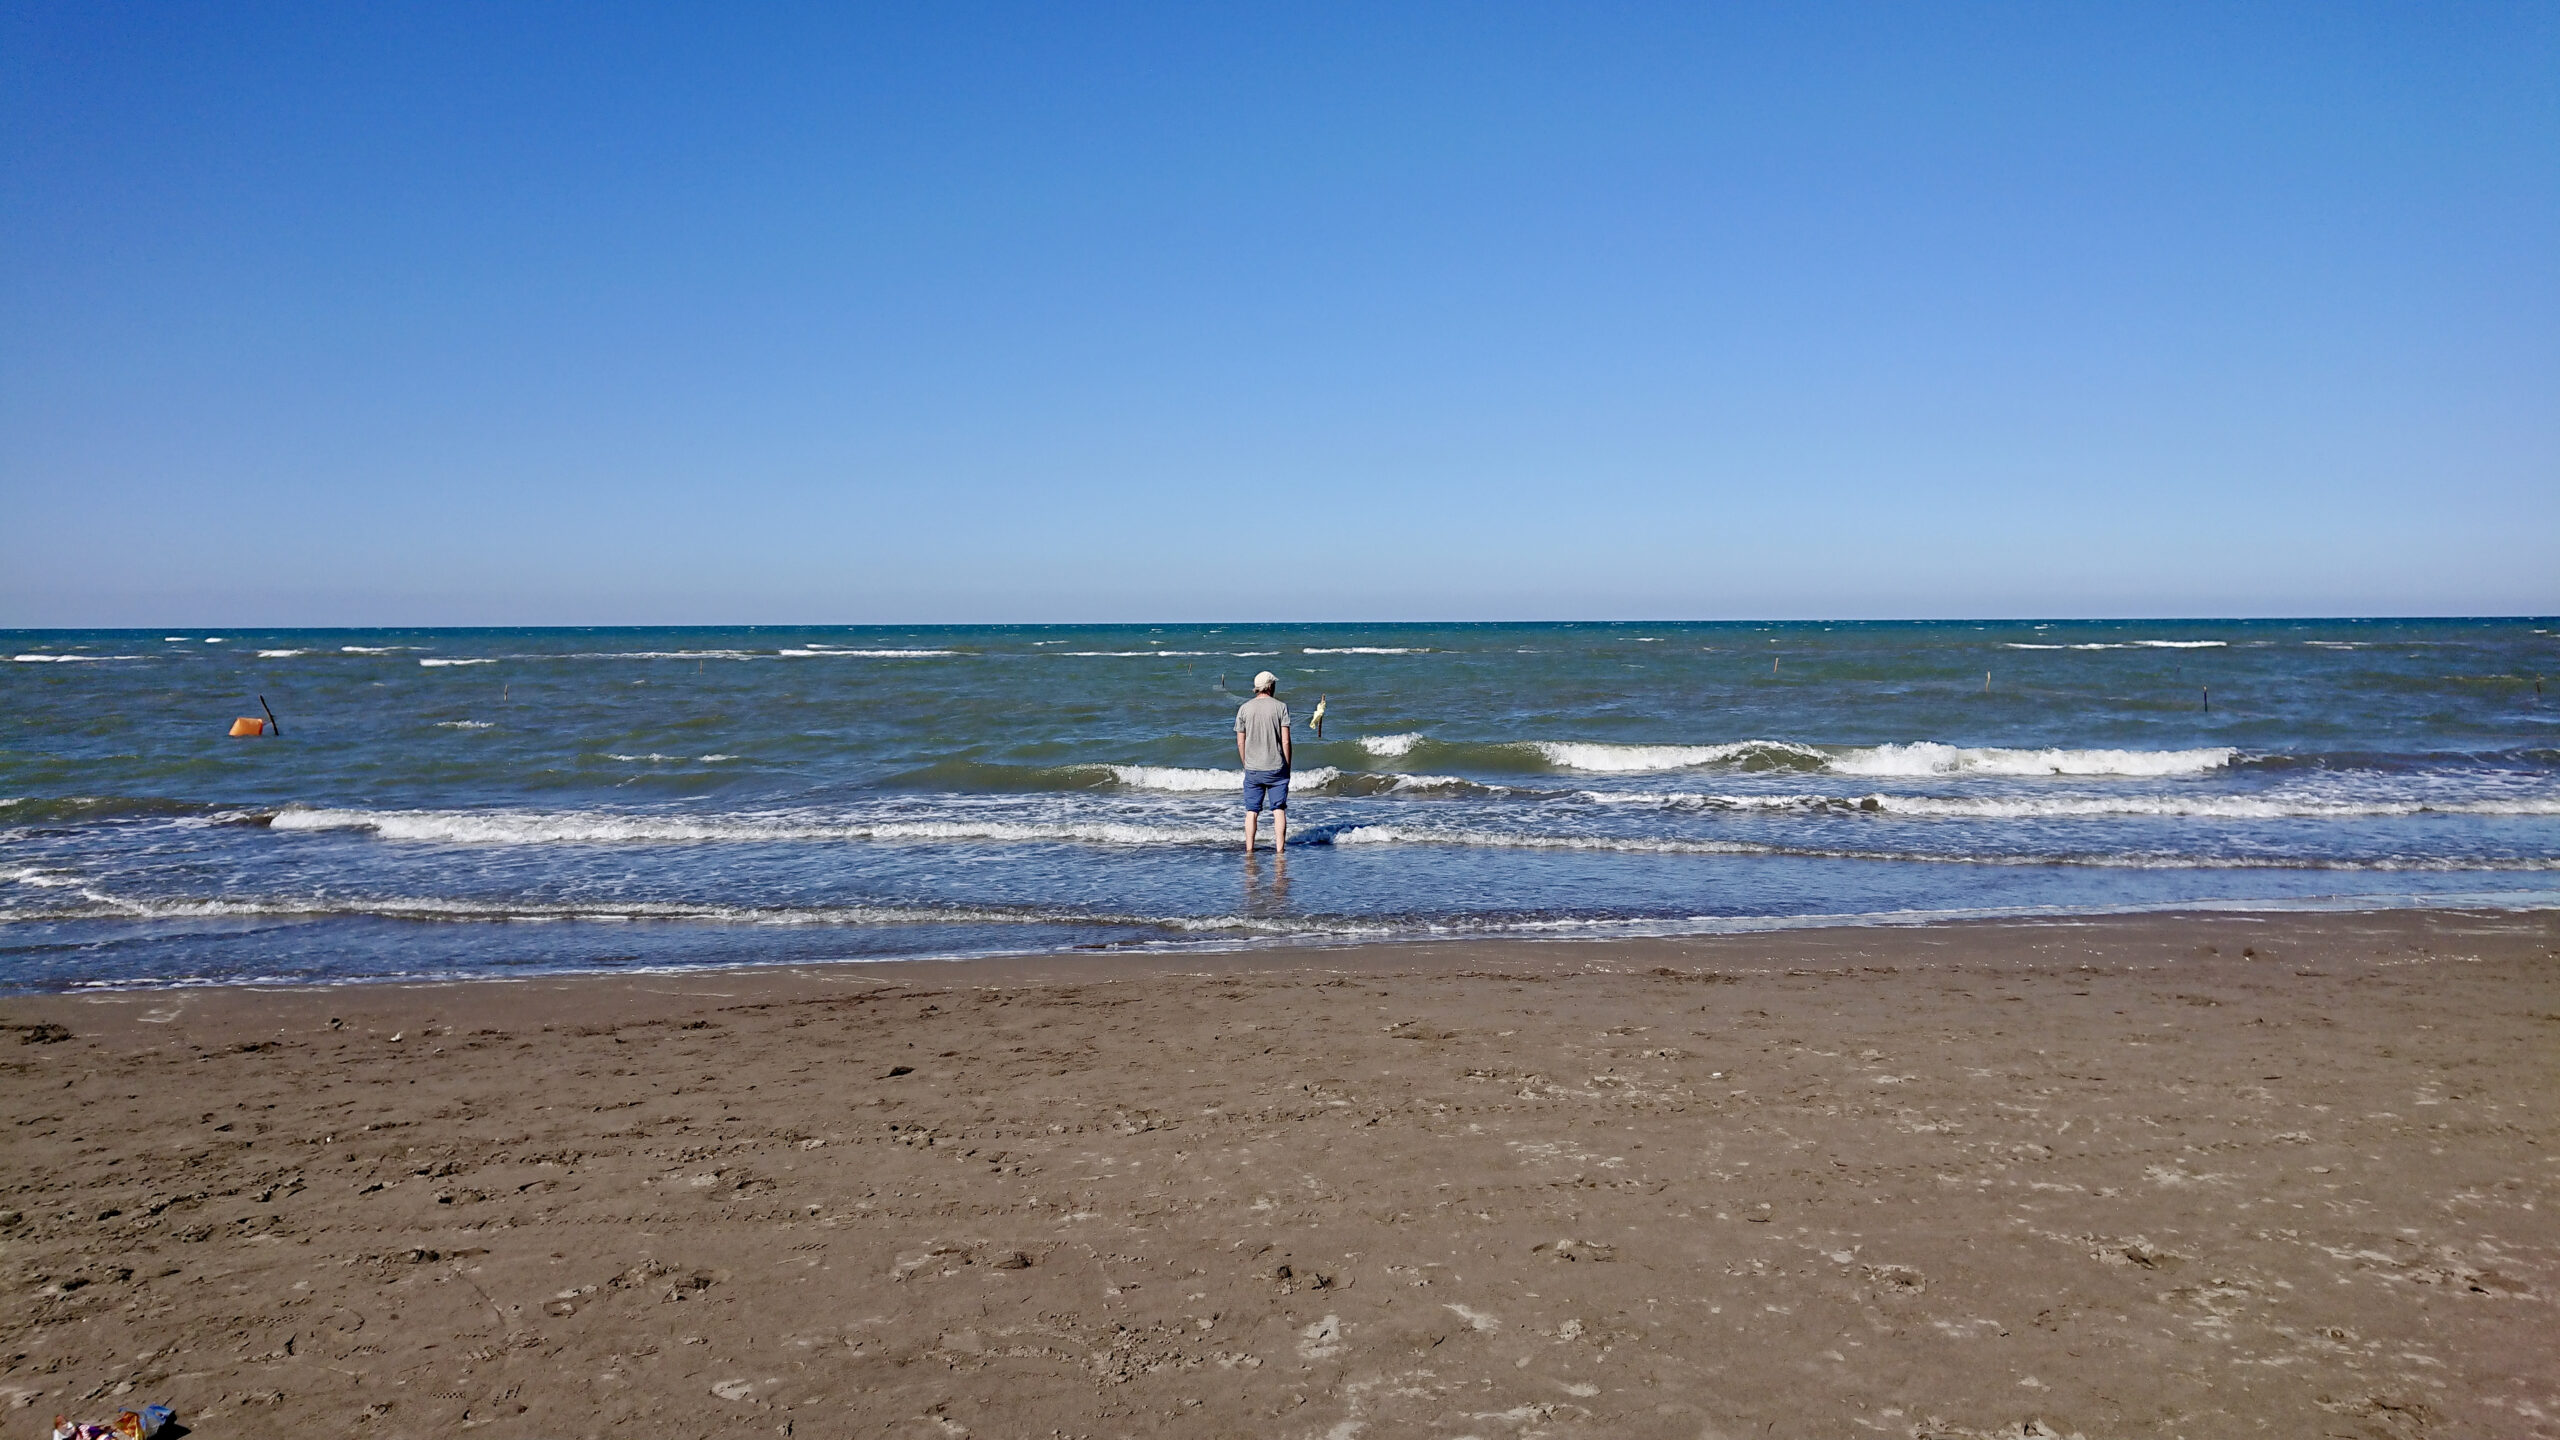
(1266, 681)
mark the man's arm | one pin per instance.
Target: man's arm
(1240, 744)
(1284, 742)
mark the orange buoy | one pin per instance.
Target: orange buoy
(248, 725)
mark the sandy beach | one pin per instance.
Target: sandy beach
(2189, 1176)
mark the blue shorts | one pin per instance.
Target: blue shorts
(1259, 784)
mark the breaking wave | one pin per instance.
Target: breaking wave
(104, 906)
(1599, 758)
(2122, 645)
(831, 652)
(1666, 845)
(1185, 779)
(1916, 759)
(2074, 807)
(569, 827)
(658, 655)
(559, 828)
(38, 876)
(1925, 758)
(432, 910)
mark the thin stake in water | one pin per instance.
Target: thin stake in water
(272, 727)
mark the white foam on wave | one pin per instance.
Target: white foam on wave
(1390, 747)
(535, 827)
(654, 758)
(2214, 807)
(1180, 778)
(1924, 758)
(366, 649)
(432, 662)
(465, 724)
(1364, 650)
(1597, 757)
(1442, 782)
(1917, 759)
(280, 654)
(38, 876)
(2125, 645)
(532, 827)
(1696, 800)
(1173, 777)
(537, 912)
(605, 912)
(1101, 833)
(829, 652)
(1131, 654)
(1513, 840)
(664, 655)
(2073, 807)
(39, 659)
(1663, 845)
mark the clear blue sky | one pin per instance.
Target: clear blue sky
(513, 313)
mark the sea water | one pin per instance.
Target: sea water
(501, 802)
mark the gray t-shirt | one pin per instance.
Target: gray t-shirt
(1261, 721)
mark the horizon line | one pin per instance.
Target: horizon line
(2333, 619)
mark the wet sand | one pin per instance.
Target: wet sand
(2196, 1176)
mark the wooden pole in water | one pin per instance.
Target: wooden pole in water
(272, 727)
(1986, 682)
(2208, 699)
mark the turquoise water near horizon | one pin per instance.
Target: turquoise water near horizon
(458, 802)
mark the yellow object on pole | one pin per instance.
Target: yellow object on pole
(248, 725)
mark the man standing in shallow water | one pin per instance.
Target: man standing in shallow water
(1262, 743)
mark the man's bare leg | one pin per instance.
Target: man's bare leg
(1252, 825)
(1280, 830)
